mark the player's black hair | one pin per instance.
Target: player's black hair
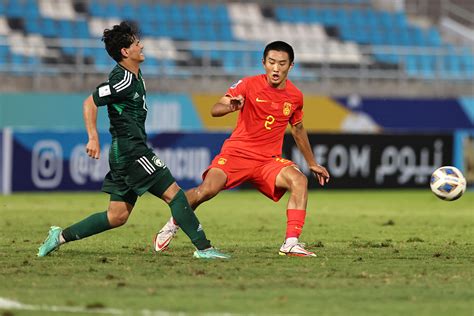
(120, 36)
(281, 47)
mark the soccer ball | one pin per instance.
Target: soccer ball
(448, 183)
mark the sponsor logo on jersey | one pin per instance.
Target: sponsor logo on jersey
(136, 96)
(221, 161)
(287, 108)
(261, 100)
(235, 84)
(104, 91)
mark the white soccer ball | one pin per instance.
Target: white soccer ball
(448, 183)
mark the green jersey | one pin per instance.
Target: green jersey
(125, 97)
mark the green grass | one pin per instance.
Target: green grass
(379, 253)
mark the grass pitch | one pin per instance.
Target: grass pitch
(379, 253)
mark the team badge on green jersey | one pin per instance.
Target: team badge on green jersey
(157, 161)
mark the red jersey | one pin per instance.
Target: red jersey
(264, 117)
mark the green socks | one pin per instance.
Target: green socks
(184, 215)
(94, 224)
(180, 209)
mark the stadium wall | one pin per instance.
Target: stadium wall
(52, 161)
(364, 142)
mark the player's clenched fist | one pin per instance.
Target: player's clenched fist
(93, 149)
(236, 103)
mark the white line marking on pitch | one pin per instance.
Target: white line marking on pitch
(11, 304)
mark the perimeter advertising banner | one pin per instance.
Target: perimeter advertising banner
(375, 161)
(50, 161)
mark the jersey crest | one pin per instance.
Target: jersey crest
(287, 108)
(157, 161)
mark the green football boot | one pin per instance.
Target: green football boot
(51, 243)
(210, 253)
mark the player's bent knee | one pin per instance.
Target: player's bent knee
(117, 216)
(299, 182)
(117, 220)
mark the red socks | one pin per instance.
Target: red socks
(295, 222)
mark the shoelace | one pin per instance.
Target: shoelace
(169, 230)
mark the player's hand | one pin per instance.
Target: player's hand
(321, 174)
(93, 149)
(236, 103)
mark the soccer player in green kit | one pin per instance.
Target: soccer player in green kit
(134, 168)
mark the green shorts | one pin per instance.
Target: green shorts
(127, 182)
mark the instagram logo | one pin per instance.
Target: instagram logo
(47, 164)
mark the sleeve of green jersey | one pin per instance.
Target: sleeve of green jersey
(115, 90)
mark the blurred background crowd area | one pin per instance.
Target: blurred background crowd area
(384, 48)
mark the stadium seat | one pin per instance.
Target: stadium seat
(49, 28)
(331, 33)
(14, 9)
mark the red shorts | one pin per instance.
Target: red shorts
(261, 173)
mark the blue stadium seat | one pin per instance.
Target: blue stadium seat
(427, 68)
(145, 13)
(81, 29)
(4, 49)
(32, 25)
(65, 28)
(17, 60)
(31, 10)
(433, 37)
(112, 10)
(190, 13)
(14, 9)
(221, 14)
(411, 66)
(210, 22)
(206, 14)
(97, 8)
(128, 11)
(49, 28)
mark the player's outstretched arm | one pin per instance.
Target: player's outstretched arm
(90, 120)
(226, 105)
(301, 138)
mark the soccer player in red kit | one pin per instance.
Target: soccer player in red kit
(267, 104)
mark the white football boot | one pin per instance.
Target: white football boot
(165, 235)
(295, 249)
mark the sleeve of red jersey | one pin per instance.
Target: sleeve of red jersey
(297, 116)
(238, 88)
